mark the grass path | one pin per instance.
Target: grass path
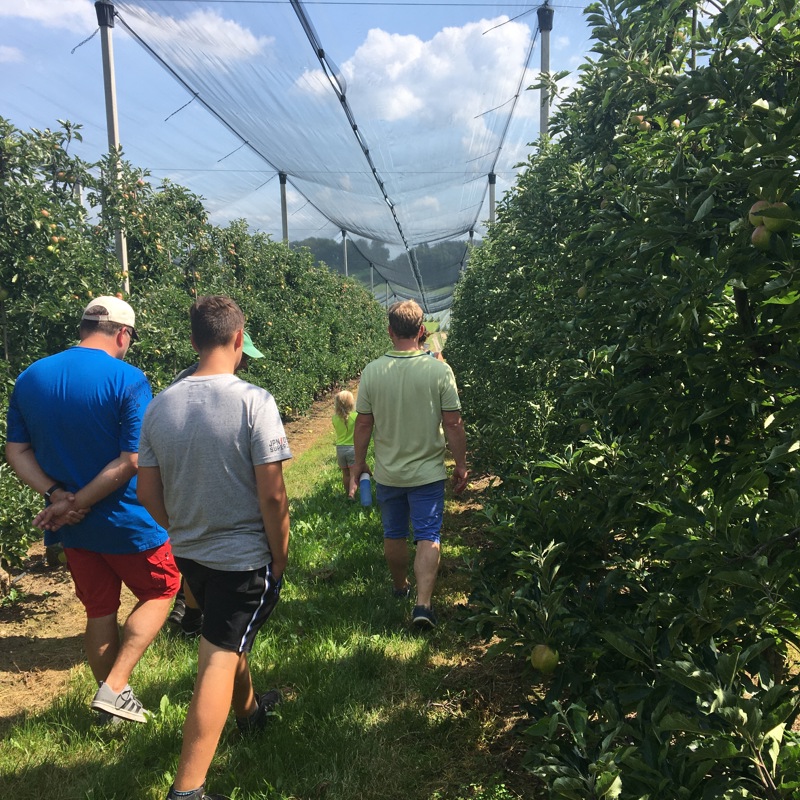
(373, 709)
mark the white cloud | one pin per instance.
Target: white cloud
(74, 15)
(562, 42)
(426, 205)
(456, 74)
(201, 39)
(9, 54)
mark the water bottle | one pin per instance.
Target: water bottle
(365, 488)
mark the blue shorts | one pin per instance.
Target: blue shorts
(422, 506)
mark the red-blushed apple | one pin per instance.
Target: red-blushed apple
(760, 238)
(755, 218)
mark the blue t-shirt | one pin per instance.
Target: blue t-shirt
(79, 410)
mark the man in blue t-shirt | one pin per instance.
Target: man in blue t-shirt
(73, 436)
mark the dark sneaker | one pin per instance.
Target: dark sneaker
(258, 720)
(423, 617)
(192, 623)
(402, 594)
(54, 555)
(103, 719)
(197, 794)
(125, 704)
(178, 611)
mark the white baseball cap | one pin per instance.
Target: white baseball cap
(110, 309)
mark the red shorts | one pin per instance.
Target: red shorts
(98, 577)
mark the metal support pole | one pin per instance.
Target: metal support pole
(545, 14)
(344, 246)
(492, 182)
(284, 213)
(105, 19)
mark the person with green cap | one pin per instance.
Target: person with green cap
(186, 614)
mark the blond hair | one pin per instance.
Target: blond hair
(405, 318)
(343, 404)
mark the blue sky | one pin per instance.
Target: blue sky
(43, 80)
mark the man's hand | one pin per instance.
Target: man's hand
(356, 471)
(63, 511)
(460, 477)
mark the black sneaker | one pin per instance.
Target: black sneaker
(423, 617)
(402, 594)
(192, 623)
(178, 610)
(258, 720)
(197, 794)
(54, 555)
(105, 720)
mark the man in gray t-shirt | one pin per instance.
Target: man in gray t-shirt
(210, 471)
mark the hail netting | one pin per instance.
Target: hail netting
(388, 137)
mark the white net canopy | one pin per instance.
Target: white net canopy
(354, 135)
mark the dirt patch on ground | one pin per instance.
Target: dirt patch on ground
(42, 630)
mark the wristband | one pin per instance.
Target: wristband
(49, 493)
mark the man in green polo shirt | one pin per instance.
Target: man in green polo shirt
(409, 403)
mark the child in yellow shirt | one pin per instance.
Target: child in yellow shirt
(344, 423)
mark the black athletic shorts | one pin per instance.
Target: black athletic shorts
(235, 604)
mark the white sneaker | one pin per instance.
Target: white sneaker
(125, 704)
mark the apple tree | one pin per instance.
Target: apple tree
(640, 354)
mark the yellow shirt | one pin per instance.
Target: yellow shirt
(344, 433)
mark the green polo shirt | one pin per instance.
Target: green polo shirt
(406, 393)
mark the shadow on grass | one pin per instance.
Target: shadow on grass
(372, 708)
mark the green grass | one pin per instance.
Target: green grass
(372, 710)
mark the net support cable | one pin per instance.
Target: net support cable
(390, 195)
(339, 86)
(197, 96)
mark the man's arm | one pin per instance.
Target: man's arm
(274, 506)
(457, 444)
(150, 492)
(362, 433)
(113, 475)
(22, 459)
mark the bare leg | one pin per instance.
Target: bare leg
(396, 553)
(141, 627)
(101, 641)
(244, 699)
(217, 671)
(346, 479)
(426, 567)
(188, 597)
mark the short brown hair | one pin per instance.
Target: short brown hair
(90, 326)
(215, 319)
(405, 318)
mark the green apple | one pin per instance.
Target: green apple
(582, 292)
(544, 658)
(781, 219)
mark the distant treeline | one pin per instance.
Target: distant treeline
(440, 257)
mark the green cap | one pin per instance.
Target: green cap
(249, 349)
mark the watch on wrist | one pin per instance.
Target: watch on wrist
(54, 488)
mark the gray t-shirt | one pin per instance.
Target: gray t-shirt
(206, 434)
